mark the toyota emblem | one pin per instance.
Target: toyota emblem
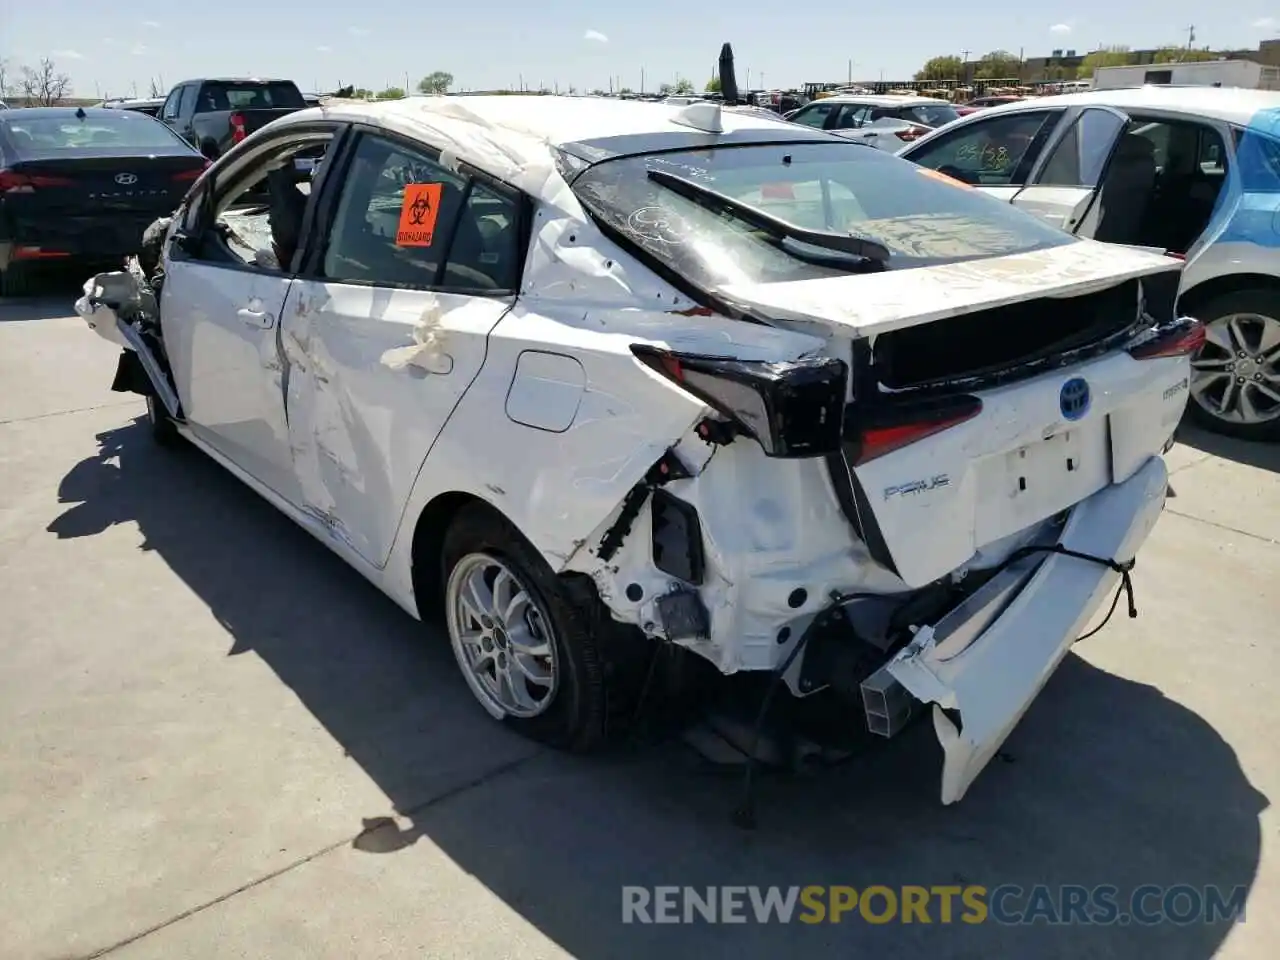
(1074, 399)
(126, 179)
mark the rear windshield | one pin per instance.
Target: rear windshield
(923, 218)
(930, 114)
(249, 95)
(124, 129)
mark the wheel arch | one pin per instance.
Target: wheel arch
(428, 540)
(1203, 292)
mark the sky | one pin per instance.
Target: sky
(115, 49)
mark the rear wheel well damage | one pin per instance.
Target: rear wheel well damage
(617, 664)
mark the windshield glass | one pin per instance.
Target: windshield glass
(124, 129)
(931, 114)
(922, 217)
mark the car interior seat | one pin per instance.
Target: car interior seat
(1126, 190)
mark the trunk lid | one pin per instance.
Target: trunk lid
(864, 305)
(988, 395)
(92, 183)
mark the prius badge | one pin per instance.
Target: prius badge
(1074, 398)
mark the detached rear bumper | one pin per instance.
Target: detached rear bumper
(992, 680)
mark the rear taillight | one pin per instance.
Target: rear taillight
(187, 176)
(11, 182)
(1179, 339)
(913, 133)
(793, 409)
(896, 426)
(237, 127)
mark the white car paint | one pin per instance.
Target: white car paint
(369, 406)
(883, 133)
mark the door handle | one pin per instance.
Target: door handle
(254, 318)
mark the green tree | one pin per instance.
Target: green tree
(437, 82)
(664, 90)
(941, 68)
(684, 87)
(391, 93)
(1183, 55)
(361, 93)
(713, 85)
(625, 91)
(1104, 57)
(998, 65)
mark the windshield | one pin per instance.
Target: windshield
(923, 218)
(931, 114)
(125, 129)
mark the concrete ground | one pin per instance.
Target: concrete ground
(206, 721)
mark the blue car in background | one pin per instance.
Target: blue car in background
(1192, 171)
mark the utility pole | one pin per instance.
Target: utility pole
(1191, 35)
(642, 81)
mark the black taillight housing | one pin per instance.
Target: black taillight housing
(793, 408)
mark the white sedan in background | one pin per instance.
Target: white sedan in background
(601, 379)
(1191, 170)
(886, 121)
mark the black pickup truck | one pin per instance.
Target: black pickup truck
(216, 114)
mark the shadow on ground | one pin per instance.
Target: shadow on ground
(1264, 456)
(1106, 780)
(54, 290)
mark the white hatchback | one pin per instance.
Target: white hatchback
(1191, 170)
(601, 380)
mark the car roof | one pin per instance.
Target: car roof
(1228, 104)
(510, 137)
(878, 99)
(233, 80)
(54, 113)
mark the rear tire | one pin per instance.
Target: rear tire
(15, 281)
(163, 430)
(1237, 321)
(502, 598)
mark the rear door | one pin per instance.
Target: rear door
(416, 264)
(1066, 182)
(228, 280)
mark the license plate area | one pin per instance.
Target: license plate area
(1034, 481)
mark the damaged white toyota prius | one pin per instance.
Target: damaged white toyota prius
(589, 376)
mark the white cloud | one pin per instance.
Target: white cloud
(1266, 23)
(1060, 28)
(151, 24)
(595, 36)
(323, 49)
(68, 55)
(358, 31)
(138, 50)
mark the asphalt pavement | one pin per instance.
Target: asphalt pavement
(217, 741)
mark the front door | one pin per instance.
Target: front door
(227, 284)
(1066, 183)
(389, 328)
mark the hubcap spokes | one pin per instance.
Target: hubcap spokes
(1236, 377)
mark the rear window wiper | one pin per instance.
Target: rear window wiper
(781, 230)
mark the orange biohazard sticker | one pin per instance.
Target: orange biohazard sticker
(418, 214)
(951, 181)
